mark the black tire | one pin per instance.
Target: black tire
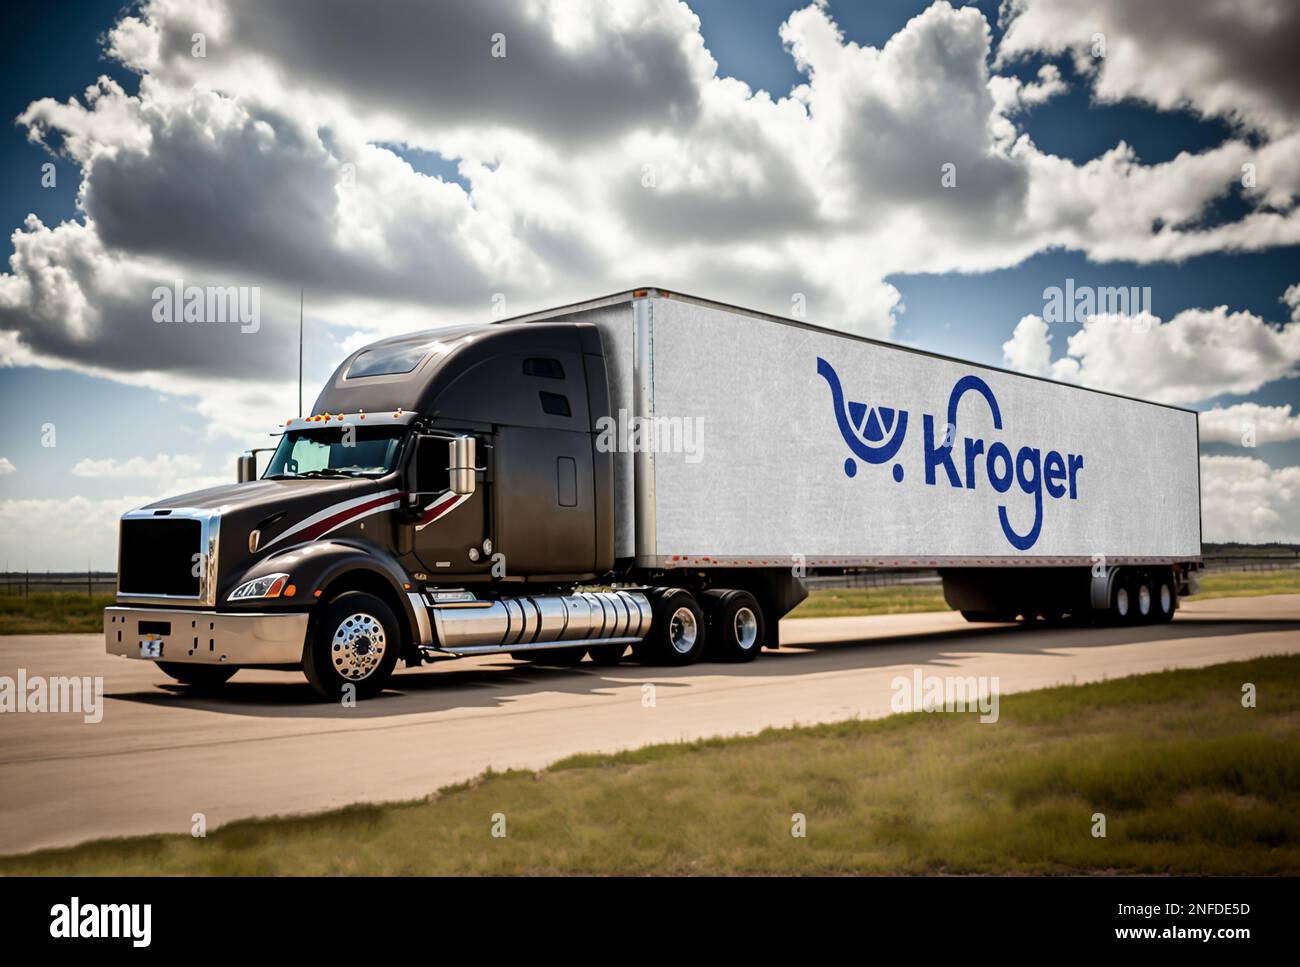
(1164, 595)
(195, 675)
(606, 655)
(737, 627)
(324, 656)
(677, 629)
(992, 617)
(1123, 593)
(1143, 598)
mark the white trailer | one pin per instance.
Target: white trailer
(747, 440)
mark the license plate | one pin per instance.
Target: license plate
(150, 648)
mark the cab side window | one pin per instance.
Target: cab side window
(431, 474)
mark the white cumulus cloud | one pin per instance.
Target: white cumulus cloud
(1248, 424)
(1196, 355)
(1244, 499)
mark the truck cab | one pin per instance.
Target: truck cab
(446, 496)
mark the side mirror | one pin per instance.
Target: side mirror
(460, 452)
(246, 467)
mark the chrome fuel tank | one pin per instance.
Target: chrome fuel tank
(540, 621)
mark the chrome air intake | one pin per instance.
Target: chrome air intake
(467, 627)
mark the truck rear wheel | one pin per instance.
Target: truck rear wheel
(737, 631)
(355, 642)
(676, 629)
(197, 676)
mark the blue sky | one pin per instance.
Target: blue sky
(956, 311)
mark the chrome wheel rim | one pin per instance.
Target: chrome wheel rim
(1166, 599)
(1121, 602)
(358, 646)
(745, 626)
(1144, 600)
(683, 630)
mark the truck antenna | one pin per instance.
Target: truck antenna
(300, 300)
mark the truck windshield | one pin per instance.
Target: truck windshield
(336, 451)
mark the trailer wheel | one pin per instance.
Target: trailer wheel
(1121, 600)
(1143, 599)
(354, 642)
(737, 629)
(677, 629)
(1165, 598)
(197, 676)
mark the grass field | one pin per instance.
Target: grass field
(891, 599)
(52, 612)
(1241, 584)
(1189, 781)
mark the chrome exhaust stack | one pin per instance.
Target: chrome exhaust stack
(472, 627)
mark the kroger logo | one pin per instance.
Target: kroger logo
(875, 434)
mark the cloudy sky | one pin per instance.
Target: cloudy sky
(381, 158)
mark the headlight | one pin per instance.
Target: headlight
(265, 587)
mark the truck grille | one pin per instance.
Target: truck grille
(156, 556)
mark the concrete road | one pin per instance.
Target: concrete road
(265, 746)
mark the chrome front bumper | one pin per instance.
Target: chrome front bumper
(205, 637)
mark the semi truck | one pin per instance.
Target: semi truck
(649, 476)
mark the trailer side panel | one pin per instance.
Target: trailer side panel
(845, 451)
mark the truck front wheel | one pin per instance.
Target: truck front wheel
(354, 642)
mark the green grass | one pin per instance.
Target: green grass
(891, 599)
(1189, 781)
(52, 612)
(1242, 584)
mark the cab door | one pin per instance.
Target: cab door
(450, 529)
